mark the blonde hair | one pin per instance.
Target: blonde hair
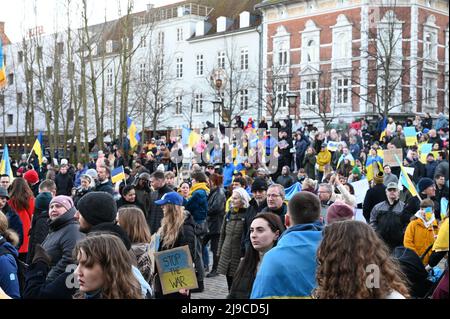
(133, 222)
(309, 183)
(171, 224)
(9, 234)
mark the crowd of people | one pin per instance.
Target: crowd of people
(66, 231)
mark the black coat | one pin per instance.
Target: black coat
(216, 210)
(243, 288)
(375, 195)
(63, 235)
(122, 202)
(64, 184)
(105, 187)
(39, 223)
(252, 211)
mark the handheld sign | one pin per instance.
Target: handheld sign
(176, 270)
(390, 159)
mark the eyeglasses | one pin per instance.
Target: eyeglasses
(392, 190)
(273, 195)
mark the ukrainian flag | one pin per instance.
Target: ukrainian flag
(406, 181)
(5, 165)
(2, 67)
(117, 175)
(374, 164)
(133, 135)
(38, 148)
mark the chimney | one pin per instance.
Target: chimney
(202, 28)
(223, 23)
(244, 19)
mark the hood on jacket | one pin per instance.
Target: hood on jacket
(8, 246)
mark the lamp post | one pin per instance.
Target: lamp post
(218, 102)
(292, 100)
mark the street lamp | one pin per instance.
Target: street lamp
(292, 100)
(218, 102)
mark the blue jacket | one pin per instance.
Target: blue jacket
(78, 174)
(289, 269)
(197, 205)
(9, 280)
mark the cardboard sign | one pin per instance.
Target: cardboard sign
(176, 270)
(389, 157)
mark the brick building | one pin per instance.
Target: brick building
(357, 58)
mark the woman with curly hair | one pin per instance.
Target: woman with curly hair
(354, 263)
(104, 269)
(22, 201)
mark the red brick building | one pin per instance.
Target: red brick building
(356, 58)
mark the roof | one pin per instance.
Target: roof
(268, 3)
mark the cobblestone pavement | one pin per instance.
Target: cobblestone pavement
(215, 288)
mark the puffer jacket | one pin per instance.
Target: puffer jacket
(323, 159)
(8, 269)
(60, 242)
(25, 216)
(39, 224)
(230, 241)
(419, 238)
(216, 210)
(197, 204)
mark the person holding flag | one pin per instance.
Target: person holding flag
(133, 135)
(374, 164)
(38, 149)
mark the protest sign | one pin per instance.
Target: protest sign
(389, 157)
(410, 135)
(176, 270)
(361, 187)
(333, 146)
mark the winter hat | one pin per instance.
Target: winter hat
(259, 184)
(64, 201)
(160, 168)
(379, 178)
(97, 208)
(92, 173)
(64, 162)
(31, 177)
(424, 183)
(338, 212)
(21, 169)
(356, 170)
(42, 202)
(4, 193)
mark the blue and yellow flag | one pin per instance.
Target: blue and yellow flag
(374, 164)
(5, 165)
(410, 135)
(406, 181)
(292, 190)
(38, 148)
(2, 67)
(118, 174)
(133, 135)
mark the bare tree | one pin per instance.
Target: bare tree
(276, 84)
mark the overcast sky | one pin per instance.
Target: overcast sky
(21, 15)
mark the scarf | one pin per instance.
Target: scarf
(199, 186)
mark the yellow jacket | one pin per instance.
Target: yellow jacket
(323, 158)
(419, 238)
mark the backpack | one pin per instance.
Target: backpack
(21, 266)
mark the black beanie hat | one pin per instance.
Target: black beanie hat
(424, 183)
(97, 208)
(259, 184)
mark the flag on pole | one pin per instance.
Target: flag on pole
(5, 165)
(118, 174)
(374, 164)
(133, 135)
(349, 157)
(2, 67)
(38, 148)
(406, 181)
(185, 135)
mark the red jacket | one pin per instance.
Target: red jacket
(25, 216)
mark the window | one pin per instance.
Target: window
(429, 46)
(428, 91)
(343, 90)
(38, 95)
(29, 75)
(109, 46)
(243, 100)
(310, 56)
(2, 99)
(19, 98)
(143, 72)
(199, 64)
(179, 34)
(281, 95)
(10, 119)
(49, 72)
(311, 93)
(161, 67)
(179, 68)
(178, 104)
(60, 93)
(160, 103)
(143, 41)
(198, 103)
(20, 56)
(11, 79)
(282, 57)
(109, 77)
(244, 59)
(161, 39)
(221, 59)
(39, 53)
(60, 48)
